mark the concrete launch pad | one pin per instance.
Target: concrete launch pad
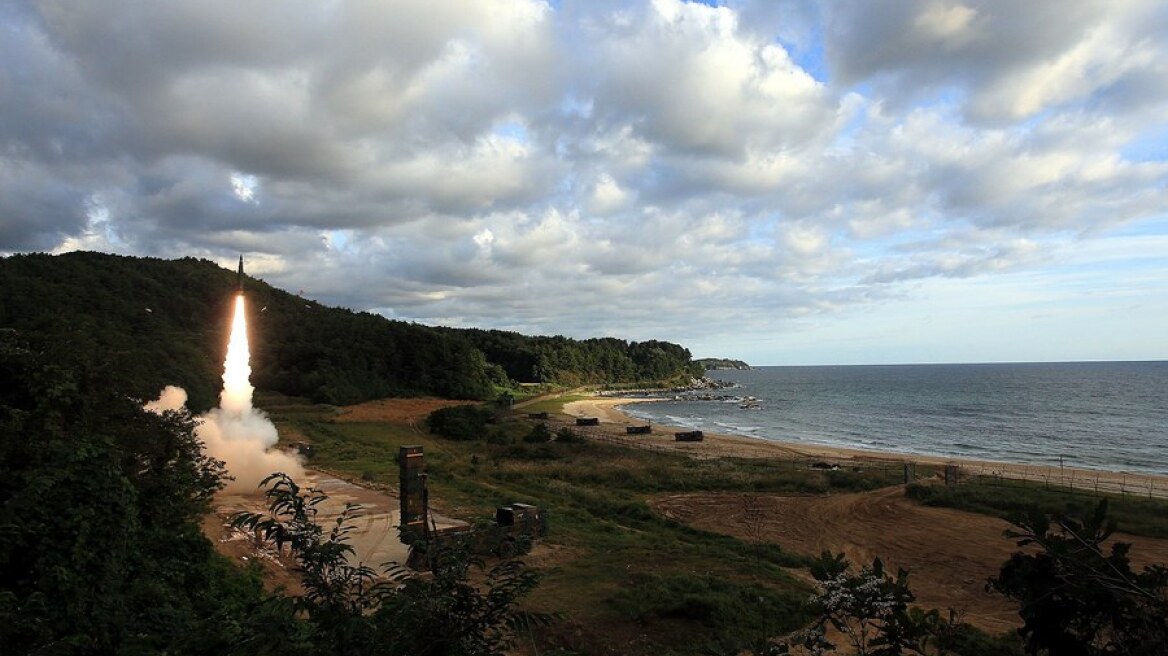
(375, 538)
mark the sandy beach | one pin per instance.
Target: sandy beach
(721, 445)
(950, 553)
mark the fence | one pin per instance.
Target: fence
(615, 434)
(1002, 474)
(1079, 480)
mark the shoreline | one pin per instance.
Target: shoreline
(607, 409)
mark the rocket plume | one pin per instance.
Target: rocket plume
(235, 432)
(237, 389)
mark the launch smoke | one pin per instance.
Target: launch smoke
(235, 432)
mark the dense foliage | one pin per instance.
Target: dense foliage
(872, 611)
(155, 322)
(1078, 597)
(460, 422)
(350, 611)
(101, 549)
(579, 362)
(102, 552)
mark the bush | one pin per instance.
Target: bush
(732, 615)
(567, 436)
(350, 609)
(1009, 499)
(965, 640)
(1078, 596)
(531, 452)
(539, 434)
(499, 436)
(463, 423)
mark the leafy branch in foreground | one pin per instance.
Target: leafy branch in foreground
(871, 609)
(354, 611)
(1077, 598)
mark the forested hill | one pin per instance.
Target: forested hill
(580, 362)
(154, 322)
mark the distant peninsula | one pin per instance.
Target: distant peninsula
(710, 364)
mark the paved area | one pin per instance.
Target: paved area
(375, 538)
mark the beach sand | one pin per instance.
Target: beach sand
(949, 553)
(737, 446)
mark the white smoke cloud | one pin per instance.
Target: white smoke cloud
(172, 399)
(242, 439)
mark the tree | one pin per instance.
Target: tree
(101, 549)
(460, 422)
(352, 611)
(1076, 597)
(870, 608)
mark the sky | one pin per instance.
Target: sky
(781, 182)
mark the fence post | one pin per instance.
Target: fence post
(950, 474)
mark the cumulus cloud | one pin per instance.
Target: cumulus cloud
(649, 169)
(1008, 60)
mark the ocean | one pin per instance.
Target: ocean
(1110, 416)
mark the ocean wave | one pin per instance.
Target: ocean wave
(1103, 415)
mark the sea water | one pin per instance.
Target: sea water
(1095, 415)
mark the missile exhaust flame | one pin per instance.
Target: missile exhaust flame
(237, 389)
(235, 432)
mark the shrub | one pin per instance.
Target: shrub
(567, 436)
(539, 434)
(732, 615)
(349, 609)
(499, 436)
(1079, 596)
(463, 423)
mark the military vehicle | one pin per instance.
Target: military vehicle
(516, 525)
(512, 531)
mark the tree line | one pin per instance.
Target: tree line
(156, 322)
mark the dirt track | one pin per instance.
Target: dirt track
(407, 411)
(949, 553)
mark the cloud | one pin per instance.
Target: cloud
(654, 169)
(1009, 61)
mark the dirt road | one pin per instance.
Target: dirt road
(949, 553)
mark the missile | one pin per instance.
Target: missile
(239, 274)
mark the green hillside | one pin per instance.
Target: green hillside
(153, 322)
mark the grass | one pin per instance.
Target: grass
(691, 605)
(628, 580)
(1134, 515)
(595, 497)
(554, 404)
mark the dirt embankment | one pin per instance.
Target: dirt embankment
(950, 554)
(403, 411)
